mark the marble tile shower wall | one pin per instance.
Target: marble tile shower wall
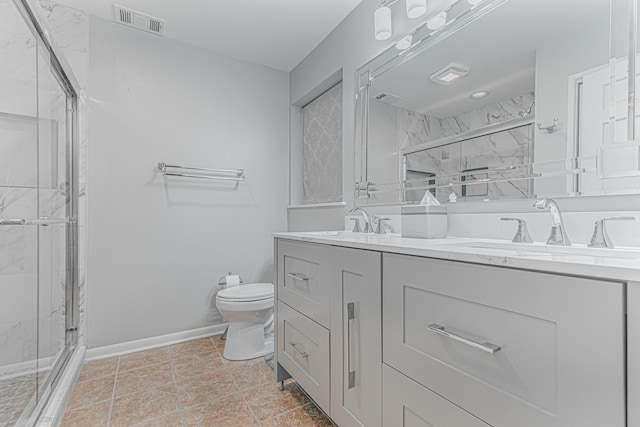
(26, 253)
(322, 148)
(502, 149)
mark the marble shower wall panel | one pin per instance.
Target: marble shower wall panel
(322, 148)
(495, 113)
(416, 128)
(444, 162)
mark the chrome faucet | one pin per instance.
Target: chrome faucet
(368, 228)
(522, 234)
(558, 234)
(600, 238)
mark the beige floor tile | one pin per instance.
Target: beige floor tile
(305, 416)
(98, 368)
(143, 358)
(197, 364)
(209, 386)
(143, 378)
(93, 415)
(144, 406)
(229, 411)
(92, 391)
(171, 420)
(218, 342)
(189, 348)
(267, 401)
(250, 373)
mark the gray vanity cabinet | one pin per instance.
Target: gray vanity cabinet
(328, 335)
(356, 344)
(511, 347)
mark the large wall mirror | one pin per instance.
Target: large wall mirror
(510, 99)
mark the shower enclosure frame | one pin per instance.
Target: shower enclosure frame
(72, 310)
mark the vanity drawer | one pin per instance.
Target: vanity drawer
(303, 350)
(561, 339)
(302, 282)
(406, 403)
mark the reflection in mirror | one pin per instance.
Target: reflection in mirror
(513, 104)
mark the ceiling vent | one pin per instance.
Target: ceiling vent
(387, 98)
(139, 20)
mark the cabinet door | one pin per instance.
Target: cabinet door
(356, 387)
(512, 347)
(408, 404)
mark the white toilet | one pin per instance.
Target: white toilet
(249, 311)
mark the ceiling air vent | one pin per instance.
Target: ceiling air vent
(387, 98)
(139, 20)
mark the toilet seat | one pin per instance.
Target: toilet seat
(247, 293)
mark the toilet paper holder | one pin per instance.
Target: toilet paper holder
(223, 280)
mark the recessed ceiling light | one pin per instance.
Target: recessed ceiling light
(449, 74)
(479, 95)
(404, 43)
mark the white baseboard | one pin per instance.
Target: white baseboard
(153, 342)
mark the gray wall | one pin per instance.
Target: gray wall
(157, 246)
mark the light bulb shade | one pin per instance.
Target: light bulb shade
(404, 43)
(416, 8)
(437, 21)
(382, 23)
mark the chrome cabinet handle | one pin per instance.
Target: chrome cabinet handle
(352, 373)
(298, 276)
(485, 346)
(301, 353)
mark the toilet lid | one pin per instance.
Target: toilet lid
(248, 292)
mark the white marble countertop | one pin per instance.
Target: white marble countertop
(455, 249)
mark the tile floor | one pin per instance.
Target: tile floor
(187, 384)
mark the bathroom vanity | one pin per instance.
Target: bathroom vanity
(389, 331)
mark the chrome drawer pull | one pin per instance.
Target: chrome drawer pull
(484, 346)
(298, 276)
(301, 353)
(352, 373)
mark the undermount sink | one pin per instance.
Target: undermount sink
(349, 234)
(537, 249)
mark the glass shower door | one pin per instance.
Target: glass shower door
(37, 211)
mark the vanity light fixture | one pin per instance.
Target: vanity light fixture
(382, 23)
(449, 74)
(416, 8)
(479, 95)
(437, 21)
(405, 42)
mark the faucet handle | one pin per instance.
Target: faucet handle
(600, 238)
(381, 225)
(522, 234)
(356, 226)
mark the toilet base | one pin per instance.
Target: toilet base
(247, 341)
